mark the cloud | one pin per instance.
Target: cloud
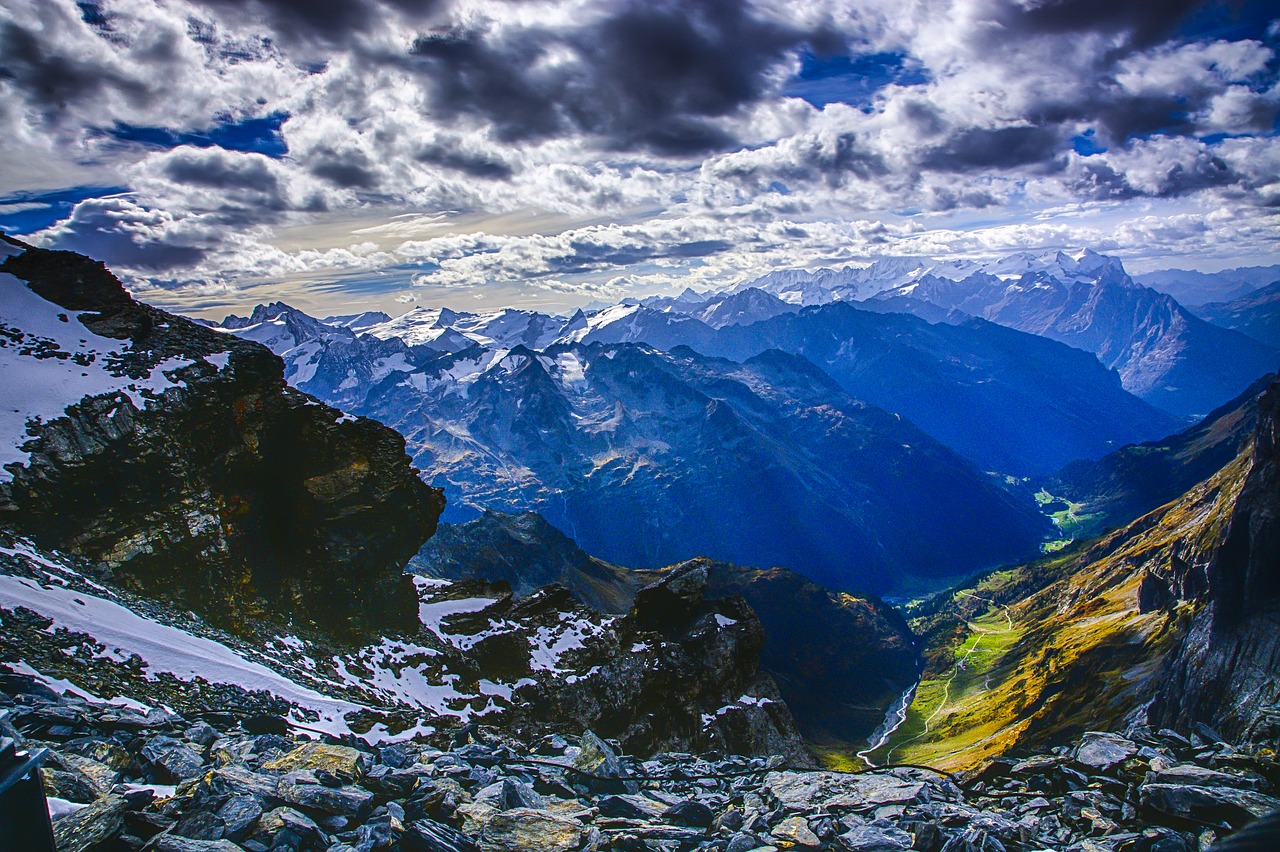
(120, 232)
(327, 21)
(657, 75)
(664, 130)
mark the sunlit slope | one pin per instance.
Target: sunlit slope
(1067, 643)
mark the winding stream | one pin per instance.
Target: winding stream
(892, 721)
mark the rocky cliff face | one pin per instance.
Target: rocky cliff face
(1226, 672)
(839, 660)
(190, 468)
(679, 672)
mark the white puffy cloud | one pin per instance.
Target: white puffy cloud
(660, 130)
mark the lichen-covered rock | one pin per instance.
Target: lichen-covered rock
(340, 760)
(178, 761)
(90, 828)
(528, 830)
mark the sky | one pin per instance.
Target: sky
(344, 155)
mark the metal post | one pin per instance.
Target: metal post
(24, 813)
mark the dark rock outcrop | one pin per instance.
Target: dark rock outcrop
(839, 660)
(526, 552)
(1226, 672)
(227, 491)
(681, 673)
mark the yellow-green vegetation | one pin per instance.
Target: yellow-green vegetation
(1047, 649)
(1070, 518)
(839, 758)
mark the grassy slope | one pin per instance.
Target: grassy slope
(1033, 653)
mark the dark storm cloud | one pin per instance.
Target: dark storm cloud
(1098, 179)
(475, 165)
(50, 79)
(238, 190)
(94, 228)
(214, 170)
(333, 21)
(653, 75)
(1001, 148)
(345, 169)
(1143, 22)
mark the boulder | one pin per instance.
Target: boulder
(177, 760)
(1101, 751)
(1208, 804)
(529, 830)
(301, 790)
(91, 828)
(796, 830)
(811, 791)
(340, 760)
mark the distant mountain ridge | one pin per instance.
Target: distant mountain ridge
(1256, 314)
(1193, 288)
(767, 461)
(1164, 353)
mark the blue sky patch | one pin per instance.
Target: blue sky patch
(1086, 144)
(256, 135)
(851, 80)
(28, 212)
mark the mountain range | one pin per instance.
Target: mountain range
(579, 431)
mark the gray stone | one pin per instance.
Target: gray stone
(810, 791)
(238, 814)
(528, 830)
(691, 812)
(1208, 803)
(598, 758)
(1101, 751)
(869, 838)
(277, 820)
(236, 780)
(1189, 773)
(174, 843)
(742, 843)
(796, 830)
(91, 827)
(294, 789)
(510, 793)
(427, 835)
(201, 733)
(176, 759)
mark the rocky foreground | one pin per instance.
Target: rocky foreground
(133, 778)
